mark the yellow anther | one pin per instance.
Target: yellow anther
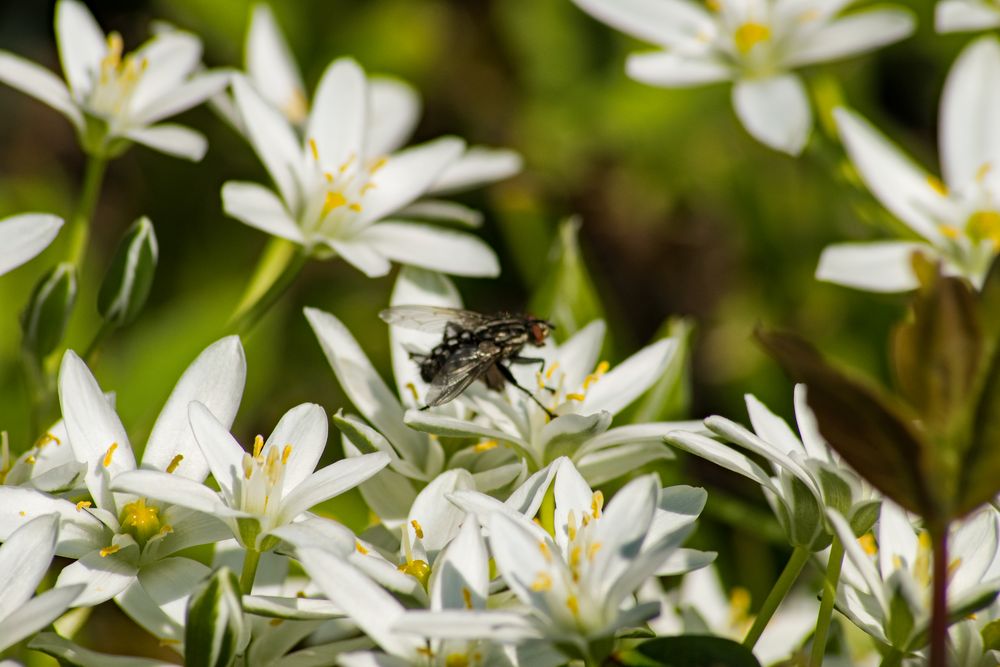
(83, 504)
(573, 605)
(867, 544)
(749, 35)
(30, 459)
(546, 552)
(361, 548)
(543, 582)
(949, 231)
(174, 462)
(937, 185)
(378, 164)
(258, 445)
(739, 605)
(46, 439)
(552, 369)
(356, 207)
(592, 550)
(575, 555)
(109, 454)
(467, 597)
(412, 388)
(984, 225)
(418, 569)
(347, 163)
(115, 46)
(328, 176)
(456, 660)
(247, 466)
(571, 525)
(575, 397)
(485, 446)
(314, 149)
(107, 551)
(169, 642)
(953, 566)
(166, 529)
(983, 171)
(334, 200)
(897, 562)
(425, 651)
(585, 519)
(597, 504)
(368, 187)
(285, 453)
(23, 513)
(275, 622)
(714, 5)
(417, 530)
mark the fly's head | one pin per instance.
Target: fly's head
(538, 330)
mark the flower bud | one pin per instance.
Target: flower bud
(44, 320)
(130, 276)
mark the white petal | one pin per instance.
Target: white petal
(272, 138)
(81, 45)
(607, 464)
(95, 431)
(791, 462)
(859, 559)
(477, 167)
(24, 559)
(175, 140)
(874, 267)
(622, 530)
(174, 490)
(852, 34)
(393, 112)
(969, 128)
(441, 210)
(577, 357)
(23, 236)
(36, 614)
(170, 57)
(963, 15)
(79, 532)
(650, 432)
(499, 625)
(223, 454)
(305, 428)
(434, 248)
(775, 111)
(340, 108)
(519, 559)
(812, 440)
(664, 22)
(720, 455)
(361, 255)
(371, 607)
(258, 207)
(319, 533)
(463, 566)
(215, 379)
(772, 429)
(673, 70)
(191, 528)
(271, 65)
(458, 428)
(370, 659)
(407, 175)
(627, 381)
(185, 96)
(331, 481)
(40, 83)
(103, 576)
(897, 540)
(169, 582)
(902, 186)
(438, 517)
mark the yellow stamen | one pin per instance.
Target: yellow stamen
(378, 164)
(174, 462)
(552, 369)
(456, 660)
(937, 185)
(984, 225)
(368, 187)
(169, 642)
(749, 35)
(355, 207)
(275, 622)
(31, 459)
(109, 454)
(314, 149)
(334, 200)
(361, 548)
(83, 504)
(467, 597)
(107, 551)
(46, 439)
(285, 453)
(714, 5)
(258, 445)
(867, 543)
(418, 569)
(546, 552)
(575, 555)
(412, 388)
(418, 531)
(949, 231)
(296, 106)
(575, 397)
(597, 504)
(573, 605)
(983, 171)
(328, 176)
(485, 446)
(592, 550)
(543, 582)
(424, 651)
(23, 513)
(247, 466)
(346, 164)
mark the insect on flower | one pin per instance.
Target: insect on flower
(474, 347)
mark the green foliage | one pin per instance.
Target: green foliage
(44, 320)
(215, 627)
(692, 651)
(129, 278)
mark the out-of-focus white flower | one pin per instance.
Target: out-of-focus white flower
(24, 559)
(966, 15)
(341, 190)
(957, 218)
(806, 475)
(112, 100)
(125, 543)
(754, 43)
(23, 236)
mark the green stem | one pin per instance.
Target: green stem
(833, 567)
(79, 229)
(34, 380)
(250, 561)
(892, 659)
(798, 559)
(259, 299)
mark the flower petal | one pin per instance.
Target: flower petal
(673, 70)
(498, 625)
(170, 57)
(331, 481)
(874, 267)
(664, 22)
(79, 532)
(361, 255)
(258, 207)
(439, 519)
(36, 614)
(462, 569)
(435, 248)
(81, 45)
(223, 454)
(393, 112)
(23, 236)
(627, 381)
(609, 463)
(963, 15)
(458, 428)
(970, 131)
(271, 65)
(478, 166)
(339, 113)
(319, 533)
(578, 356)
(904, 188)
(103, 576)
(24, 560)
(855, 33)
(720, 455)
(215, 379)
(190, 528)
(40, 83)
(175, 140)
(174, 490)
(305, 428)
(775, 110)
(182, 97)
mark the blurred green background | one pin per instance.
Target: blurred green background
(682, 212)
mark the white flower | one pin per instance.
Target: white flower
(417, 458)
(577, 586)
(262, 490)
(23, 236)
(754, 43)
(111, 99)
(806, 475)
(886, 585)
(49, 465)
(24, 559)
(957, 221)
(340, 191)
(583, 393)
(125, 543)
(966, 15)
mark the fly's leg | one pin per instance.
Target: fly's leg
(510, 378)
(517, 359)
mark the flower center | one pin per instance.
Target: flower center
(341, 193)
(116, 81)
(559, 394)
(984, 225)
(142, 521)
(263, 477)
(749, 35)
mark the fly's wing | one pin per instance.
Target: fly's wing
(465, 366)
(432, 319)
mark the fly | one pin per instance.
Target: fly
(475, 347)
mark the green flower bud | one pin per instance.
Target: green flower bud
(44, 320)
(130, 276)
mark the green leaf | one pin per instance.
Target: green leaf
(696, 651)
(979, 474)
(991, 636)
(937, 352)
(215, 627)
(566, 295)
(43, 321)
(130, 276)
(871, 434)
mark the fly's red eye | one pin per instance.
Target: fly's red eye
(538, 333)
